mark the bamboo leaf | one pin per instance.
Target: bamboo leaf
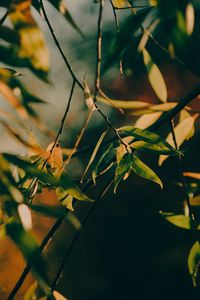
(178, 220)
(182, 130)
(122, 168)
(92, 158)
(32, 43)
(147, 119)
(193, 261)
(124, 104)
(31, 252)
(144, 171)
(155, 77)
(153, 141)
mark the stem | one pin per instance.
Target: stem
(64, 116)
(27, 269)
(76, 236)
(65, 59)
(115, 16)
(98, 49)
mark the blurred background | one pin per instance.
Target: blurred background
(125, 249)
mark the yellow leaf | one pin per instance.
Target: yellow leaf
(120, 3)
(12, 99)
(190, 18)
(192, 175)
(181, 131)
(155, 77)
(124, 104)
(25, 216)
(88, 98)
(55, 156)
(147, 119)
(58, 296)
(32, 43)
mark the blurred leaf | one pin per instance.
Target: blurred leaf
(193, 261)
(8, 94)
(155, 77)
(182, 130)
(58, 296)
(120, 3)
(190, 18)
(31, 252)
(32, 44)
(62, 8)
(142, 170)
(192, 175)
(88, 98)
(124, 38)
(25, 216)
(147, 119)
(49, 211)
(124, 104)
(30, 293)
(179, 220)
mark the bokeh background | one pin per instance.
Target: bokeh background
(125, 249)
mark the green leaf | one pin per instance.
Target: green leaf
(155, 77)
(92, 158)
(153, 141)
(71, 188)
(122, 168)
(124, 104)
(144, 171)
(31, 252)
(181, 221)
(100, 161)
(64, 180)
(194, 261)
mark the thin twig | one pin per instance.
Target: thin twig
(27, 269)
(73, 74)
(64, 116)
(98, 49)
(171, 114)
(77, 234)
(78, 139)
(115, 16)
(65, 59)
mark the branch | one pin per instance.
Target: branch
(171, 114)
(65, 59)
(98, 49)
(115, 16)
(76, 236)
(64, 116)
(27, 269)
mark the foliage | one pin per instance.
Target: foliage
(170, 27)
